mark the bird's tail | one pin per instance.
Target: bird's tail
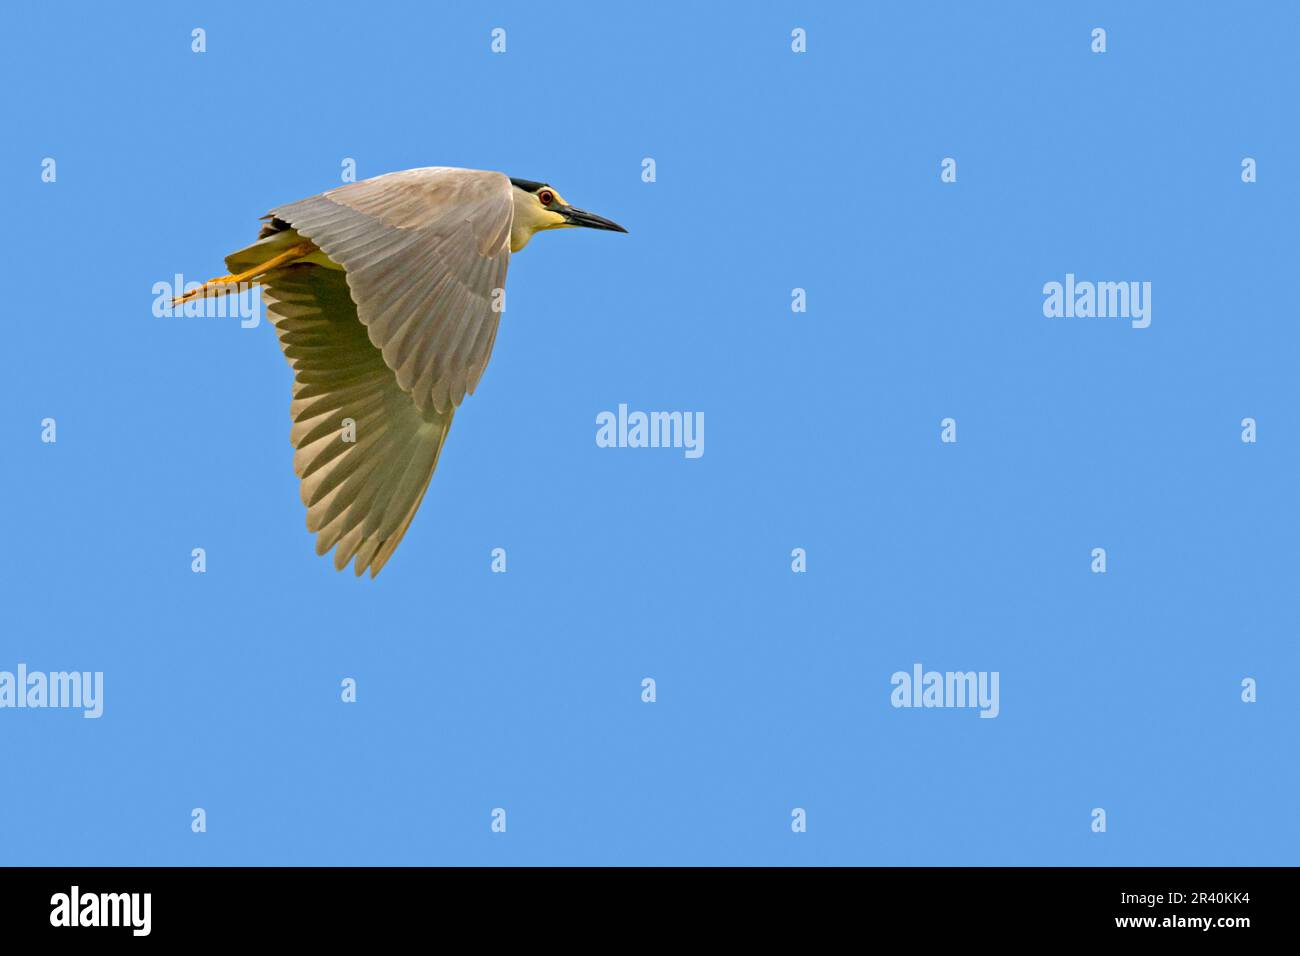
(234, 282)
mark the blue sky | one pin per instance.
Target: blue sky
(775, 171)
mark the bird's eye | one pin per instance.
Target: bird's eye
(546, 197)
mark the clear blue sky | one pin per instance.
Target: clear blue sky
(775, 170)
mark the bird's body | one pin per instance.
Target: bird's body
(386, 295)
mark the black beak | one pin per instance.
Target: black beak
(580, 217)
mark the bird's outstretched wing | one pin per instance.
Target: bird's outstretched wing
(362, 494)
(425, 251)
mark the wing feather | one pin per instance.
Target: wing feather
(362, 495)
(423, 250)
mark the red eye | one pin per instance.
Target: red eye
(546, 196)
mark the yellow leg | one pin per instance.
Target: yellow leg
(223, 284)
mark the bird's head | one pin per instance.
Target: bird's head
(539, 206)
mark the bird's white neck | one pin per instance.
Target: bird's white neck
(530, 217)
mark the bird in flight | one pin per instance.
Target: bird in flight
(385, 295)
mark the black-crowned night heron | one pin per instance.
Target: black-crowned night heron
(386, 295)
